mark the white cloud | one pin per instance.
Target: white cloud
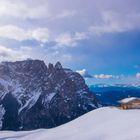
(65, 39)
(66, 13)
(70, 40)
(13, 32)
(84, 73)
(106, 76)
(23, 9)
(138, 75)
(63, 14)
(80, 36)
(40, 34)
(20, 34)
(9, 54)
(57, 55)
(32, 10)
(24, 52)
(113, 22)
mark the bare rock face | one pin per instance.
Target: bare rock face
(33, 95)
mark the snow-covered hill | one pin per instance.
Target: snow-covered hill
(100, 124)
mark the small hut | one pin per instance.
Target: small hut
(130, 103)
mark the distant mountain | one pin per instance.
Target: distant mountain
(111, 94)
(115, 85)
(33, 95)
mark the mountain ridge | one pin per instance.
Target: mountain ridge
(45, 96)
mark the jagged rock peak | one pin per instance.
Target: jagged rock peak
(58, 65)
(24, 62)
(50, 67)
(44, 97)
(29, 63)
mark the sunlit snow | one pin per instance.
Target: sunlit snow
(100, 124)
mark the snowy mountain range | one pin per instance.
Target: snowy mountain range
(100, 124)
(34, 95)
(115, 85)
(110, 94)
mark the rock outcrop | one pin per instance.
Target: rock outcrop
(33, 95)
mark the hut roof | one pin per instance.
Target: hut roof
(126, 100)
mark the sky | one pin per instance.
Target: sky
(100, 39)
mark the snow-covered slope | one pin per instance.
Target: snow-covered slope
(100, 124)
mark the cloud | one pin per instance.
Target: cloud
(67, 24)
(9, 54)
(23, 9)
(63, 15)
(138, 75)
(35, 11)
(70, 40)
(113, 22)
(106, 76)
(20, 34)
(41, 35)
(84, 73)
(25, 52)
(66, 13)
(58, 55)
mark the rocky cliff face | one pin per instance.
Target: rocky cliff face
(33, 95)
